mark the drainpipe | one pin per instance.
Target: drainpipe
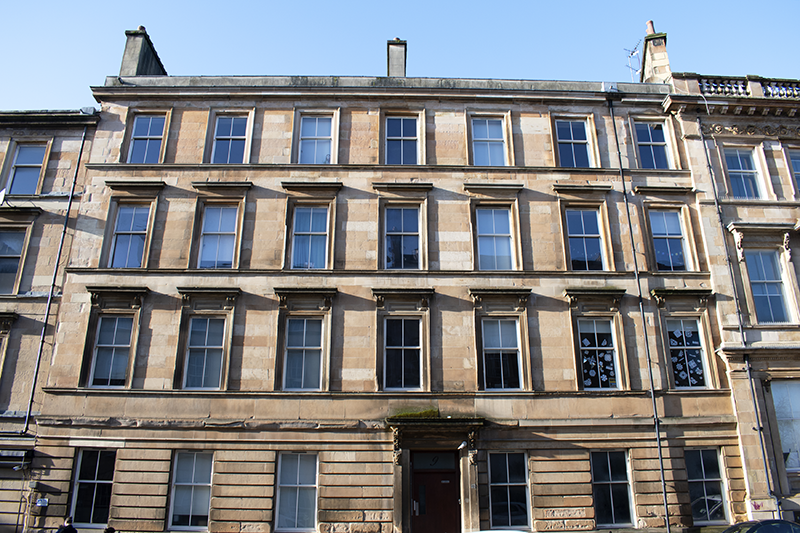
(739, 320)
(52, 291)
(656, 421)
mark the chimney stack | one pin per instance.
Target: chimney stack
(655, 61)
(140, 57)
(396, 58)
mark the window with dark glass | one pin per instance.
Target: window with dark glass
(26, 169)
(612, 495)
(112, 351)
(11, 245)
(652, 145)
(204, 360)
(573, 146)
(95, 476)
(501, 353)
(401, 141)
(766, 284)
(402, 353)
(686, 353)
(191, 490)
(148, 131)
(585, 242)
(130, 233)
(230, 135)
(705, 486)
(508, 490)
(402, 237)
(668, 240)
(597, 354)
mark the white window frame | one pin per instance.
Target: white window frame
(402, 347)
(506, 139)
(508, 485)
(685, 251)
(117, 232)
(793, 164)
(674, 352)
(402, 233)
(222, 347)
(756, 173)
(211, 133)
(787, 414)
(148, 138)
(417, 138)
(311, 233)
(510, 236)
(298, 485)
(588, 127)
(781, 281)
(321, 348)
(627, 483)
(193, 484)
(600, 236)
(705, 480)
(11, 163)
(297, 136)
(95, 482)
(589, 350)
(219, 234)
(650, 144)
(123, 347)
(25, 231)
(494, 349)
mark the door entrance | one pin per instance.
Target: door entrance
(435, 505)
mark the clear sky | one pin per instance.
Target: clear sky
(53, 50)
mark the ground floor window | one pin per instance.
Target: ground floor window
(612, 494)
(93, 486)
(297, 491)
(508, 489)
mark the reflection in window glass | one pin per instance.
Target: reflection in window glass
(786, 398)
(597, 354)
(93, 485)
(146, 139)
(705, 486)
(402, 237)
(204, 362)
(767, 286)
(488, 144)
(501, 354)
(26, 169)
(494, 239)
(402, 355)
(191, 489)
(112, 351)
(686, 353)
(309, 249)
(652, 145)
(401, 141)
(229, 140)
(130, 233)
(297, 491)
(585, 245)
(573, 146)
(315, 140)
(303, 353)
(11, 243)
(611, 489)
(508, 489)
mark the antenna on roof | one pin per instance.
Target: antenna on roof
(633, 56)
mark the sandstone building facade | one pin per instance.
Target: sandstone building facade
(386, 304)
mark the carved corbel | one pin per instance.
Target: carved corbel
(96, 299)
(786, 247)
(186, 299)
(738, 237)
(522, 302)
(397, 451)
(477, 301)
(573, 300)
(615, 301)
(136, 303)
(423, 303)
(380, 301)
(660, 300)
(703, 300)
(471, 451)
(230, 301)
(327, 302)
(283, 301)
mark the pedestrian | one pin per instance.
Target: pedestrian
(109, 529)
(67, 526)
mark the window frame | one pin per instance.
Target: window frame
(779, 445)
(485, 349)
(687, 243)
(792, 157)
(117, 302)
(27, 232)
(760, 170)
(211, 133)
(96, 346)
(508, 485)
(621, 382)
(627, 483)
(592, 152)
(170, 526)
(788, 290)
(280, 485)
(722, 485)
(124, 194)
(210, 303)
(117, 204)
(76, 481)
(512, 207)
(323, 334)
(507, 140)
(403, 195)
(304, 303)
(207, 233)
(202, 203)
(11, 157)
(299, 113)
(669, 143)
(421, 231)
(702, 333)
(132, 115)
(606, 252)
(420, 116)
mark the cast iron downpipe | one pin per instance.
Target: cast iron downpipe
(52, 291)
(656, 421)
(739, 319)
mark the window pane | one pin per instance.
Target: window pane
(313, 333)
(394, 152)
(296, 332)
(289, 469)
(30, 154)
(497, 468)
(224, 125)
(25, 180)
(480, 153)
(287, 514)
(308, 470)
(393, 127)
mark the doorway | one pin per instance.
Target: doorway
(435, 493)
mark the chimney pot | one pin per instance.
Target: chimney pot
(141, 28)
(651, 29)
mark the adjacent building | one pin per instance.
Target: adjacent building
(379, 304)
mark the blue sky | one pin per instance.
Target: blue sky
(54, 50)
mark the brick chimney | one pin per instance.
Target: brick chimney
(396, 58)
(140, 57)
(655, 62)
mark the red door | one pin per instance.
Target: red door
(435, 502)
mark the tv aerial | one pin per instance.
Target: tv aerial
(634, 58)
